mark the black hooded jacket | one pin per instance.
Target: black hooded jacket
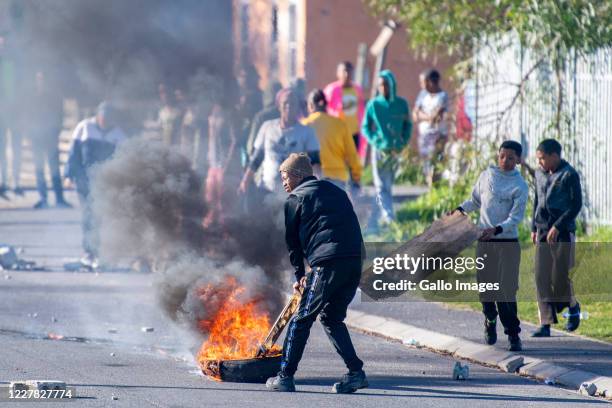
(320, 224)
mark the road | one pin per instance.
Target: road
(157, 368)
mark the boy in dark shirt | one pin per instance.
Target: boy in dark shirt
(558, 201)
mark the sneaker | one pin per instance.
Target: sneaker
(490, 332)
(281, 383)
(89, 261)
(543, 331)
(573, 320)
(63, 204)
(515, 343)
(351, 382)
(41, 204)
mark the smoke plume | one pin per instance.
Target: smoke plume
(148, 204)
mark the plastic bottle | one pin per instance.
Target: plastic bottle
(583, 315)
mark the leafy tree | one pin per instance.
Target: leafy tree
(456, 26)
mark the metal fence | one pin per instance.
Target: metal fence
(505, 109)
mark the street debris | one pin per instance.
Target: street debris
(587, 388)
(411, 342)
(41, 385)
(53, 336)
(583, 315)
(9, 260)
(460, 372)
(511, 364)
(78, 266)
(114, 398)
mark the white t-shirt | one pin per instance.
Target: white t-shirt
(429, 103)
(278, 144)
(428, 132)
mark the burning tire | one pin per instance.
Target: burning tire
(252, 370)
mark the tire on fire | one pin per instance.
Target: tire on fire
(252, 370)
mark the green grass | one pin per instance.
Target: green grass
(592, 276)
(592, 285)
(597, 326)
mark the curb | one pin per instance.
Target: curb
(507, 361)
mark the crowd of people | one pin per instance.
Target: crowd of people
(237, 139)
(314, 146)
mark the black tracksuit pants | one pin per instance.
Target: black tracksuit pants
(502, 260)
(329, 289)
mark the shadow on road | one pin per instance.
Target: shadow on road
(409, 386)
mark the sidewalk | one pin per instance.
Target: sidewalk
(564, 359)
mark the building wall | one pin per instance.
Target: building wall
(333, 33)
(327, 32)
(253, 36)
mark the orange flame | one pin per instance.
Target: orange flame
(236, 328)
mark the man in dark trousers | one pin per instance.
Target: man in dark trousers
(46, 116)
(93, 141)
(322, 228)
(500, 195)
(558, 201)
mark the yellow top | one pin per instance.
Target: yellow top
(349, 110)
(337, 147)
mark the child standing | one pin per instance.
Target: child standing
(500, 194)
(430, 111)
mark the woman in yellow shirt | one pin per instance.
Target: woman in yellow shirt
(338, 153)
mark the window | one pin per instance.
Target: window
(292, 45)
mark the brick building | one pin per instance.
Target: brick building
(288, 39)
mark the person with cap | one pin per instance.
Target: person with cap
(321, 228)
(387, 127)
(276, 140)
(500, 195)
(337, 148)
(93, 141)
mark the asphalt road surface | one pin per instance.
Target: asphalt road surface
(157, 369)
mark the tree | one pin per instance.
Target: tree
(553, 31)
(455, 26)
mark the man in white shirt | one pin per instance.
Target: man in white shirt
(276, 140)
(93, 141)
(430, 111)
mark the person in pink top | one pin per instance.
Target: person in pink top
(345, 101)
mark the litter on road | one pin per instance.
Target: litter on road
(460, 372)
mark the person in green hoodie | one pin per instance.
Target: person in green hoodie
(387, 127)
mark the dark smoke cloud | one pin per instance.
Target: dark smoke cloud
(149, 205)
(121, 49)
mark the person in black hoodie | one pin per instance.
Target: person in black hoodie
(558, 201)
(321, 227)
